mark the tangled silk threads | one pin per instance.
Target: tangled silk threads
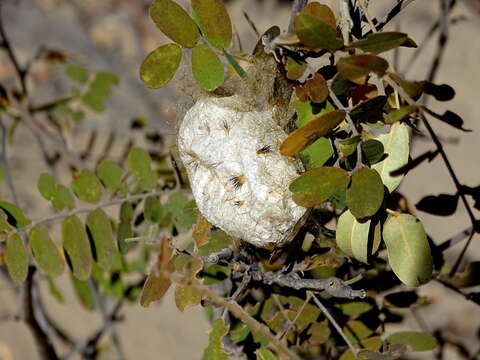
(238, 177)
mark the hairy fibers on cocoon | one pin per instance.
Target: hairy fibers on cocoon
(238, 177)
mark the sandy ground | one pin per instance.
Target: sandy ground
(106, 35)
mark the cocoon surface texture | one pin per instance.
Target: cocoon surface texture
(238, 177)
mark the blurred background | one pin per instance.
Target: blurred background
(115, 36)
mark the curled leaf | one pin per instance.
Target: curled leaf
(311, 131)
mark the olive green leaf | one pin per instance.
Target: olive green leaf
(15, 215)
(311, 131)
(318, 185)
(76, 72)
(99, 90)
(160, 65)
(408, 249)
(84, 293)
(316, 34)
(264, 354)
(372, 343)
(77, 247)
(383, 41)
(87, 187)
(174, 22)
(396, 145)
(58, 194)
(139, 162)
(365, 193)
(187, 294)
(100, 229)
(214, 22)
(207, 68)
(124, 229)
(418, 341)
(295, 69)
(110, 174)
(400, 114)
(353, 238)
(5, 227)
(16, 258)
(214, 350)
(355, 68)
(153, 210)
(321, 12)
(45, 253)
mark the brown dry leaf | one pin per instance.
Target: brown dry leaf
(311, 131)
(187, 293)
(315, 89)
(201, 230)
(158, 282)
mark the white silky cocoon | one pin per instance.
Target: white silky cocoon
(238, 177)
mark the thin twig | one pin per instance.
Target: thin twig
(394, 11)
(334, 323)
(21, 73)
(44, 343)
(4, 162)
(297, 6)
(240, 313)
(88, 209)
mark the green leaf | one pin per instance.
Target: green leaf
(319, 333)
(396, 145)
(47, 185)
(87, 187)
(318, 185)
(174, 22)
(217, 240)
(356, 330)
(400, 114)
(124, 230)
(316, 34)
(15, 215)
(99, 227)
(321, 12)
(76, 73)
(214, 22)
(354, 308)
(307, 111)
(100, 89)
(58, 194)
(365, 193)
(311, 131)
(110, 174)
(353, 238)
(264, 354)
(183, 212)
(153, 209)
(160, 65)
(355, 68)
(317, 154)
(63, 198)
(45, 252)
(372, 151)
(408, 249)
(207, 68)
(382, 41)
(294, 68)
(214, 350)
(417, 340)
(16, 258)
(235, 65)
(84, 293)
(77, 247)
(372, 343)
(5, 227)
(139, 164)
